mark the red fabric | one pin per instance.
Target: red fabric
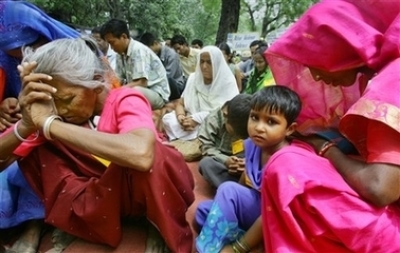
(85, 199)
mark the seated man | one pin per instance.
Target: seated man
(221, 147)
(188, 55)
(171, 62)
(137, 65)
(196, 43)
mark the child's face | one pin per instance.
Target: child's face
(259, 63)
(268, 130)
(228, 127)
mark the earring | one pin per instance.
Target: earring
(317, 77)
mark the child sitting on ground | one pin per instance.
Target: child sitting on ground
(222, 149)
(236, 207)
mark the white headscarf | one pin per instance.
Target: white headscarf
(199, 97)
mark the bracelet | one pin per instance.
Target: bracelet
(243, 245)
(235, 248)
(46, 126)
(19, 137)
(327, 145)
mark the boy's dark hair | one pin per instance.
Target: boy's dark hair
(239, 109)
(197, 42)
(148, 39)
(278, 99)
(116, 27)
(97, 30)
(178, 39)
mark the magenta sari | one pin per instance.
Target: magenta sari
(307, 206)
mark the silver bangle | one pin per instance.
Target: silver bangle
(46, 126)
(19, 137)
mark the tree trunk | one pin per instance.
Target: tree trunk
(229, 20)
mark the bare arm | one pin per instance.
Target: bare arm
(238, 76)
(134, 149)
(379, 183)
(179, 107)
(9, 142)
(251, 239)
(138, 82)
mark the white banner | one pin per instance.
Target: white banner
(241, 41)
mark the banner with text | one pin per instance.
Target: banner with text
(241, 41)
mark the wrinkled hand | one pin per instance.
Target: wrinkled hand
(235, 165)
(9, 113)
(35, 99)
(188, 124)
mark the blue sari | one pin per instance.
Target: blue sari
(234, 209)
(21, 24)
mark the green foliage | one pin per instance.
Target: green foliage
(192, 18)
(270, 15)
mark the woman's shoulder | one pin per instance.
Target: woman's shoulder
(120, 93)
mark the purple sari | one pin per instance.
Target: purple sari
(235, 207)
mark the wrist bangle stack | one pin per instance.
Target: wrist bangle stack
(19, 137)
(327, 145)
(46, 126)
(240, 246)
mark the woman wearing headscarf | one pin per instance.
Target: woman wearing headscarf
(209, 87)
(343, 59)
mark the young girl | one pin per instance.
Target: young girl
(261, 76)
(236, 206)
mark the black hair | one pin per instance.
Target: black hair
(278, 99)
(258, 43)
(97, 30)
(197, 42)
(178, 39)
(116, 27)
(148, 39)
(261, 49)
(239, 109)
(225, 47)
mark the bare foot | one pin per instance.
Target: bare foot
(155, 243)
(61, 240)
(28, 242)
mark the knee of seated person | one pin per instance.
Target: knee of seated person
(205, 164)
(229, 188)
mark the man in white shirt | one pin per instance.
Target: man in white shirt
(137, 65)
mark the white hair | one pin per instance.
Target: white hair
(77, 61)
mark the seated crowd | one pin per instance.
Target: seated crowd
(301, 142)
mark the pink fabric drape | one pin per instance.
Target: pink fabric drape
(308, 207)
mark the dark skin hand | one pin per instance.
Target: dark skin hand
(377, 183)
(9, 113)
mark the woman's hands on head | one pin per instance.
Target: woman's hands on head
(35, 99)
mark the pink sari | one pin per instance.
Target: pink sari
(336, 35)
(308, 207)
